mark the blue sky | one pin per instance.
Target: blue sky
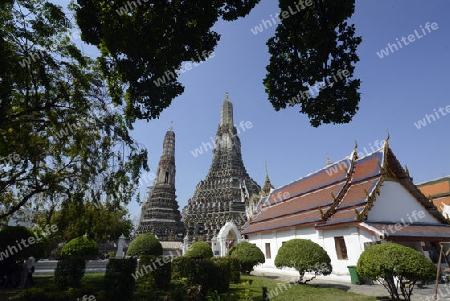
(396, 92)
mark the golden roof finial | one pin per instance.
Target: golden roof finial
(321, 212)
(333, 197)
(357, 214)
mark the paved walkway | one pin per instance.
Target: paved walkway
(419, 294)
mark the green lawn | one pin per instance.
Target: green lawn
(250, 288)
(302, 292)
(91, 283)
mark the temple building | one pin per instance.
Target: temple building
(346, 207)
(160, 215)
(224, 195)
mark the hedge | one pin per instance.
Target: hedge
(210, 273)
(119, 282)
(156, 269)
(69, 271)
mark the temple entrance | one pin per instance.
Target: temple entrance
(231, 240)
(229, 236)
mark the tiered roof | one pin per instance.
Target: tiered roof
(340, 194)
(438, 190)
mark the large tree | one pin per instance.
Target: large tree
(144, 41)
(60, 138)
(315, 47)
(101, 222)
(143, 44)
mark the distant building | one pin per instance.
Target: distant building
(159, 214)
(223, 196)
(345, 208)
(438, 191)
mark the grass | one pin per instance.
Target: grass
(297, 292)
(90, 284)
(250, 288)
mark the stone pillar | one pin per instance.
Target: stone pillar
(215, 246)
(223, 246)
(120, 246)
(185, 244)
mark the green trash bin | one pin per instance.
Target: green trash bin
(355, 279)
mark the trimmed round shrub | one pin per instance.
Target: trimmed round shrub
(80, 247)
(69, 271)
(385, 262)
(199, 250)
(119, 280)
(145, 244)
(248, 255)
(305, 256)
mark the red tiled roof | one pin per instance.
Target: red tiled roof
(437, 187)
(438, 190)
(302, 201)
(339, 194)
(356, 194)
(302, 218)
(309, 201)
(368, 166)
(343, 216)
(332, 174)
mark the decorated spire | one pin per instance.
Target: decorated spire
(166, 167)
(159, 214)
(224, 194)
(267, 185)
(227, 112)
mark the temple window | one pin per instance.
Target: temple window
(341, 248)
(268, 255)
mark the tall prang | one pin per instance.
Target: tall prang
(160, 215)
(226, 190)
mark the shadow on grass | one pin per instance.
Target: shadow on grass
(91, 284)
(10, 292)
(272, 277)
(343, 287)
